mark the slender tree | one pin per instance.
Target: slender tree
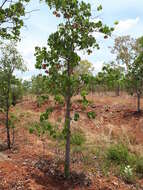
(74, 34)
(10, 61)
(134, 79)
(125, 50)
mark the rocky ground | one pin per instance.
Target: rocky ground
(27, 167)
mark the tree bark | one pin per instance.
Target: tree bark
(138, 102)
(7, 115)
(13, 136)
(67, 126)
(118, 90)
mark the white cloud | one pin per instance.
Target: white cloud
(125, 26)
(27, 50)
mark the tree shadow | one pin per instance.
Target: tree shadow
(130, 113)
(3, 147)
(53, 176)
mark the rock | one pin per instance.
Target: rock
(94, 157)
(115, 183)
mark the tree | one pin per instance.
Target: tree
(84, 67)
(134, 79)
(111, 77)
(39, 85)
(76, 33)
(40, 88)
(11, 13)
(27, 87)
(16, 90)
(10, 61)
(125, 50)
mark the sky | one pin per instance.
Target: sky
(40, 23)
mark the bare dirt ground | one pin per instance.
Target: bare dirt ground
(25, 168)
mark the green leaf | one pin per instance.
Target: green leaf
(76, 117)
(116, 22)
(99, 8)
(31, 130)
(91, 115)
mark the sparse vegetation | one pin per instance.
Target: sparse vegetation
(139, 167)
(78, 138)
(69, 125)
(118, 154)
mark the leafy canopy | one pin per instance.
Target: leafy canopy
(11, 13)
(76, 33)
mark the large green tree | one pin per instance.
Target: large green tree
(74, 34)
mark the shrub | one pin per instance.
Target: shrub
(41, 99)
(42, 128)
(118, 154)
(76, 116)
(31, 130)
(78, 138)
(139, 166)
(59, 99)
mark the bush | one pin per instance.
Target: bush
(42, 128)
(139, 166)
(78, 138)
(41, 99)
(118, 154)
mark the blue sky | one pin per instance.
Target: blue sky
(41, 22)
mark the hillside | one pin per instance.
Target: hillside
(28, 166)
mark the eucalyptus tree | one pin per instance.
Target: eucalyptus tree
(27, 87)
(113, 76)
(84, 67)
(125, 50)
(11, 13)
(83, 70)
(74, 34)
(10, 60)
(134, 77)
(110, 78)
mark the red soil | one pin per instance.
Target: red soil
(20, 171)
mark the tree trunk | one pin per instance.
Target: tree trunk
(138, 102)
(67, 126)
(7, 115)
(118, 90)
(13, 136)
